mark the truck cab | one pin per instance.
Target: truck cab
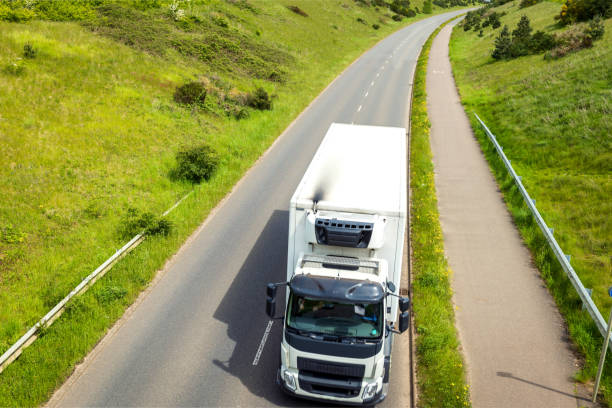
(345, 256)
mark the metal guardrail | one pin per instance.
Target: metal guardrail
(563, 259)
(31, 335)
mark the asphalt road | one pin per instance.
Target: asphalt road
(192, 340)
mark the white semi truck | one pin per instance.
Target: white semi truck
(347, 223)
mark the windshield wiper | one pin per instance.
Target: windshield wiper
(314, 335)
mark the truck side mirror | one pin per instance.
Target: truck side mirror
(404, 304)
(271, 300)
(404, 321)
(271, 307)
(271, 290)
(391, 286)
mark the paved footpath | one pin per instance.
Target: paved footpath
(514, 341)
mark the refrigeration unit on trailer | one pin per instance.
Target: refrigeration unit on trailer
(347, 223)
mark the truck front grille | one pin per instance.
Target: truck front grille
(327, 367)
(333, 379)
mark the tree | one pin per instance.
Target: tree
(502, 44)
(521, 37)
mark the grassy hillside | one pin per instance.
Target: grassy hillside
(552, 116)
(89, 129)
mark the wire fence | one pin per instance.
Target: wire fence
(563, 258)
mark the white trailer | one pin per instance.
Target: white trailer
(347, 225)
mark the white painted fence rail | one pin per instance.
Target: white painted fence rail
(15, 350)
(564, 259)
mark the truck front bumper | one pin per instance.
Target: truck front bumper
(377, 398)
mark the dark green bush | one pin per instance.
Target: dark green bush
(402, 7)
(29, 51)
(375, 26)
(361, 20)
(397, 17)
(522, 42)
(135, 222)
(472, 18)
(190, 93)
(595, 30)
(541, 41)
(196, 163)
(583, 10)
(259, 100)
(527, 3)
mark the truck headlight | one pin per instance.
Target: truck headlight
(369, 391)
(289, 380)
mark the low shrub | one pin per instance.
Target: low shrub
(362, 21)
(196, 163)
(29, 51)
(15, 14)
(571, 40)
(298, 10)
(135, 222)
(235, 111)
(66, 10)
(595, 29)
(259, 100)
(471, 19)
(375, 26)
(397, 17)
(528, 3)
(541, 41)
(16, 68)
(190, 93)
(402, 7)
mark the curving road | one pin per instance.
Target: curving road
(193, 339)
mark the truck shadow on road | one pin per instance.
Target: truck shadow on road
(243, 310)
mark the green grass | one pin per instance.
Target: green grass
(88, 128)
(440, 370)
(553, 120)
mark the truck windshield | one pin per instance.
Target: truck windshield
(339, 319)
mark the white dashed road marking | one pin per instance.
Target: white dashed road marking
(263, 342)
(359, 108)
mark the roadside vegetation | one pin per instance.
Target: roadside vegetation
(552, 116)
(440, 371)
(111, 111)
